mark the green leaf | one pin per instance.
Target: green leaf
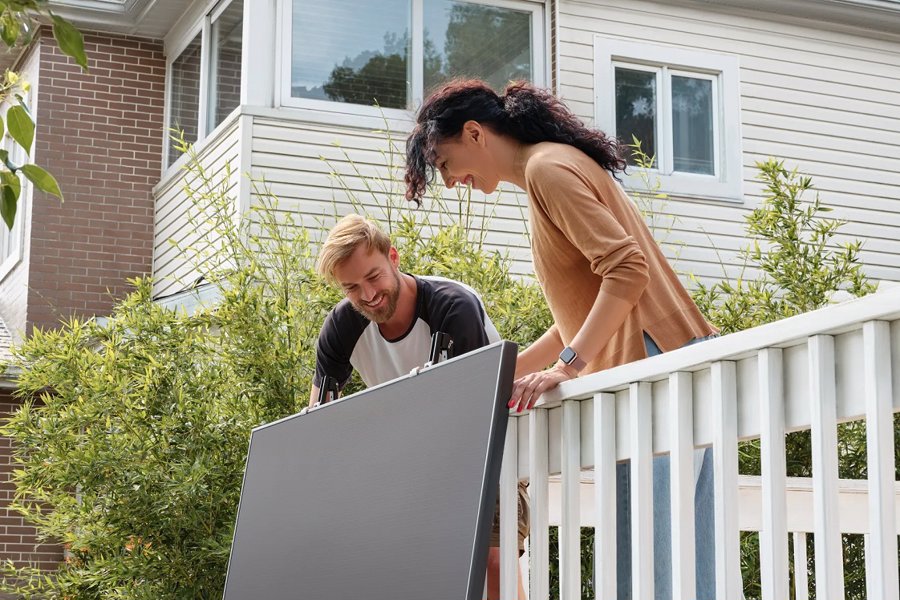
(21, 127)
(9, 197)
(70, 40)
(42, 180)
(9, 29)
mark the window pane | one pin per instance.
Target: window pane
(353, 51)
(474, 40)
(225, 63)
(636, 109)
(185, 94)
(692, 125)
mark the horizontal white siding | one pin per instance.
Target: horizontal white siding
(828, 103)
(321, 172)
(172, 269)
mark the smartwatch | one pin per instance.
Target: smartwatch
(570, 357)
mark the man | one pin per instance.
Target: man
(383, 327)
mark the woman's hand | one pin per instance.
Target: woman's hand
(527, 389)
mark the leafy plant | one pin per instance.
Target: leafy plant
(133, 431)
(17, 24)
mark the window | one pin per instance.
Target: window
(683, 106)
(391, 52)
(11, 240)
(205, 75)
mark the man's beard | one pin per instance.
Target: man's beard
(385, 312)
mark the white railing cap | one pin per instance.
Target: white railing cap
(831, 320)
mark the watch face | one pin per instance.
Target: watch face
(567, 355)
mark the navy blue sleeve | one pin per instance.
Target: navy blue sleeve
(457, 312)
(333, 351)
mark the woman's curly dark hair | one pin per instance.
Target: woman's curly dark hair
(524, 112)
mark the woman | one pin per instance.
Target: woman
(612, 293)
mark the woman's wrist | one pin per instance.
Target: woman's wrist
(569, 370)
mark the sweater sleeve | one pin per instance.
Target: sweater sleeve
(584, 217)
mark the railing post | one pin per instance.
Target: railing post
(681, 423)
(509, 547)
(641, 427)
(881, 577)
(539, 538)
(570, 527)
(605, 562)
(823, 430)
(773, 542)
(725, 467)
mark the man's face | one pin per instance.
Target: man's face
(371, 281)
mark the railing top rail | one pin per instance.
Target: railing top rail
(831, 320)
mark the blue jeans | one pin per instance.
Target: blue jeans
(662, 527)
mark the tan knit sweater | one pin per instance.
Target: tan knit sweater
(586, 234)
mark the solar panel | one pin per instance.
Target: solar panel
(385, 494)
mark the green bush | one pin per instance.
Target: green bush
(800, 269)
(133, 431)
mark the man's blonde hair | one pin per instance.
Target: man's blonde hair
(343, 240)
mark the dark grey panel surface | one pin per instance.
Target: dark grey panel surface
(386, 494)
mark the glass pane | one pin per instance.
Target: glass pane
(636, 110)
(225, 63)
(185, 94)
(474, 40)
(354, 51)
(692, 125)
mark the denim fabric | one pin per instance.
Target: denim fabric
(662, 528)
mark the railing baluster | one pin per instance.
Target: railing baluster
(641, 424)
(539, 538)
(881, 577)
(829, 572)
(773, 540)
(605, 496)
(681, 418)
(725, 466)
(801, 575)
(509, 551)
(570, 527)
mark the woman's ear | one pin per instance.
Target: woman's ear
(473, 132)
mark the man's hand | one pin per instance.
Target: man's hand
(527, 389)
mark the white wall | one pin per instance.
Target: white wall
(826, 102)
(172, 269)
(297, 158)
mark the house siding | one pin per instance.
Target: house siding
(173, 270)
(98, 132)
(824, 102)
(322, 172)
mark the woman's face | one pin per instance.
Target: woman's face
(467, 160)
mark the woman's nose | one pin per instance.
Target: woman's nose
(449, 181)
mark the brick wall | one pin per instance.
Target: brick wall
(100, 134)
(17, 539)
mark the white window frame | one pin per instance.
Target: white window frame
(723, 70)
(539, 32)
(212, 10)
(12, 241)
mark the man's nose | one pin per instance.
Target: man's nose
(368, 292)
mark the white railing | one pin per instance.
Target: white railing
(810, 372)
